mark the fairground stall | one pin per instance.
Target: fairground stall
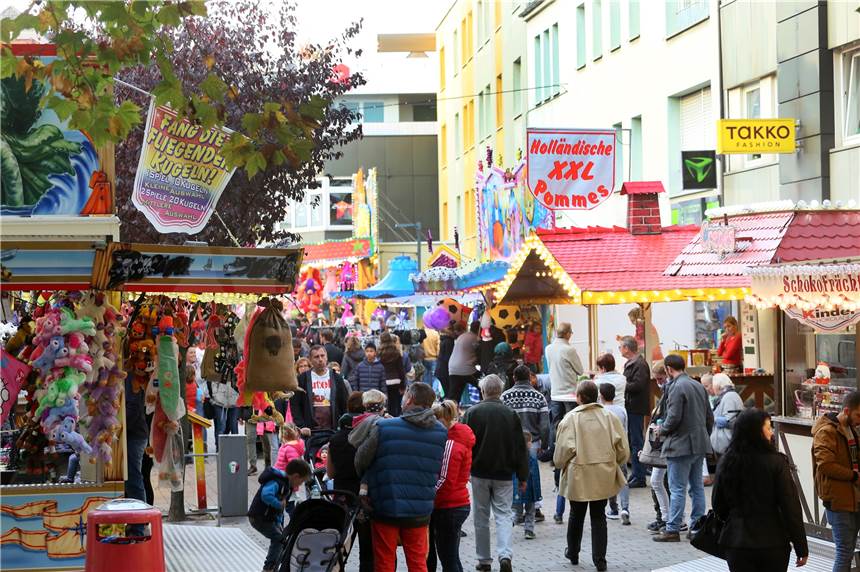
(75, 342)
(599, 274)
(817, 304)
(802, 263)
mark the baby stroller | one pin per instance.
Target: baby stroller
(320, 534)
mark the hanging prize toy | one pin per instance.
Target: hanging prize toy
(169, 383)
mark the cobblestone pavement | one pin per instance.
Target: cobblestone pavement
(630, 547)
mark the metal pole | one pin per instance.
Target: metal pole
(418, 242)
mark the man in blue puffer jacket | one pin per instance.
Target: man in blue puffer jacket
(400, 460)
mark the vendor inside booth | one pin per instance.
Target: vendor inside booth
(730, 351)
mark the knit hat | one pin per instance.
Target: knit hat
(503, 349)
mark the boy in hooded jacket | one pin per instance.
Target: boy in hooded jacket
(266, 513)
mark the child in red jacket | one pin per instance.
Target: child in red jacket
(451, 507)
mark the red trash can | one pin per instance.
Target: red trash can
(107, 553)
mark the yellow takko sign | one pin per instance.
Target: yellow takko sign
(748, 136)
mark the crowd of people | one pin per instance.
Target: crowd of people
(429, 427)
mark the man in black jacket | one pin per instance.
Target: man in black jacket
(499, 452)
(332, 350)
(324, 395)
(637, 401)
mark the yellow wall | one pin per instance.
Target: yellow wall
(484, 52)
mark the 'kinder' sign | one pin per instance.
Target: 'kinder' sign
(571, 169)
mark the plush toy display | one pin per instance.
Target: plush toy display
(309, 291)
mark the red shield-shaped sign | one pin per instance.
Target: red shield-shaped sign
(571, 169)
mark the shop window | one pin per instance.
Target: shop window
(804, 349)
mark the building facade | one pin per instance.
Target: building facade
(797, 60)
(397, 110)
(647, 71)
(481, 103)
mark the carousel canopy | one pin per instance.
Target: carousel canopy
(395, 284)
(466, 278)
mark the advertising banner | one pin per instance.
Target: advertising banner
(699, 169)
(825, 321)
(571, 169)
(181, 174)
(747, 136)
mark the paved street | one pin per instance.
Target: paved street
(630, 547)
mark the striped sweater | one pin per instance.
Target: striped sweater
(531, 407)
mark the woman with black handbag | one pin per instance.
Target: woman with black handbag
(756, 500)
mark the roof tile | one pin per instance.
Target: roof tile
(611, 259)
(337, 251)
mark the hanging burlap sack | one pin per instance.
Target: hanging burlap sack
(207, 369)
(270, 363)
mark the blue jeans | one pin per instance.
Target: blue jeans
(685, 471)
(845, 527)
(636, 438)
(226, 421)
(623, 496)
(134, 488)
(560, 501)
(429, 370)
(445, 526)
(274, 531)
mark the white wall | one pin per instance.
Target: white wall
(635, 80)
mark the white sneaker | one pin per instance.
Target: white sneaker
(625, 517)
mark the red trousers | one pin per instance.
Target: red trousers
(415, 543)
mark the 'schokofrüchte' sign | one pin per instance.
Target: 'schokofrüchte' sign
(748, 136)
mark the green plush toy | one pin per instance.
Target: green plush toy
(69, 324)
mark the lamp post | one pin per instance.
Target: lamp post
(417, 227)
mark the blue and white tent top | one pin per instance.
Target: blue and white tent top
(395, 284)
(465, 278)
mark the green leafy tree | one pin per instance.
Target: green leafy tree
(98, 39)
(251, 47)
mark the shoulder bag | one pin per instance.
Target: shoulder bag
(705, 534)
(650, 453)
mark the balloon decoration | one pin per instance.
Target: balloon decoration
(505, 316)
(446, 314)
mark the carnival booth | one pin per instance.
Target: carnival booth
(599, 268)
(65, 370)
(817, 314)
(801, 261)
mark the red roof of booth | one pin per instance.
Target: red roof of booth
(602, 259)
(773, 238)
(337, 251)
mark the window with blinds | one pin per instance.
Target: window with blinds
(698, 129)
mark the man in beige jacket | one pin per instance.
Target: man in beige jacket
(591, 445)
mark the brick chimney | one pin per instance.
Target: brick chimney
(643, 206)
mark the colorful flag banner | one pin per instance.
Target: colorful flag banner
(181, 174)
